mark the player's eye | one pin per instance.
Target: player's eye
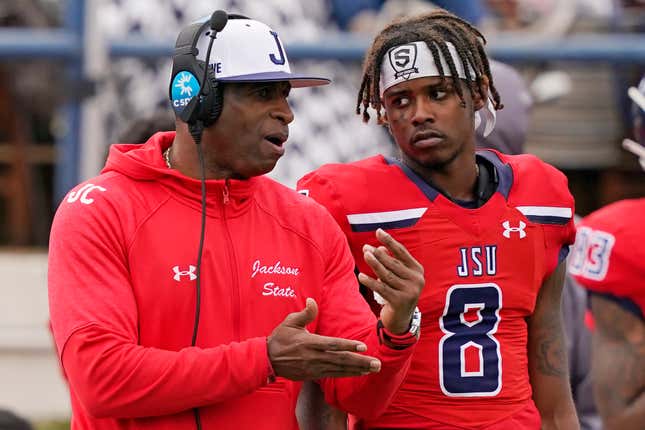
(400, 101)
(438, 93)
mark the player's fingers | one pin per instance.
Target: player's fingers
(386, 292)
(393, 277)
(392, 264)
(397, 249)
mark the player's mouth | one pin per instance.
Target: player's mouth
(427, 138)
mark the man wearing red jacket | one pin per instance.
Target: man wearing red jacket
(180, 303)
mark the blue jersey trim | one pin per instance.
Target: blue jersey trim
(430, 192)
(555, 220)
(384, 225)
(503, 171)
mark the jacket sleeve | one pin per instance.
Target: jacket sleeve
(94, 321)
(344, 313)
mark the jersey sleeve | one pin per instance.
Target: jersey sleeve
(344, 313)
(544, 198)
(320, 187)
(608, 254)
(94, 321)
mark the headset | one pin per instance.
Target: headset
(206, 106)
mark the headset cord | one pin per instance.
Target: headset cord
(196, 130)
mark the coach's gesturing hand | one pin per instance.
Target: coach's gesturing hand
(399, 281)
(297, 354)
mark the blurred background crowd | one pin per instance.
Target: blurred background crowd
(566, 66)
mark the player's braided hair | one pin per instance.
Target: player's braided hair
(435, 29)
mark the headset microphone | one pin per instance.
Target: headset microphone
(218, 21)
(219, 18)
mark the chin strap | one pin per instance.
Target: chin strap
(490, 117)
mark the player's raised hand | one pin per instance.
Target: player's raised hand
(297, 354)
(399, 281)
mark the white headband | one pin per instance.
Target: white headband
(415, 60)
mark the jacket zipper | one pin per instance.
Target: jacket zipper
(235, 288)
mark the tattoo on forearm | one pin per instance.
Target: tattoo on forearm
(551, 356)
(549, 347)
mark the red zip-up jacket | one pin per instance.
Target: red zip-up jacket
(123, 252)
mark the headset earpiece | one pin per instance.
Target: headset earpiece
(187, 72)
(215, 100)
(192, 99)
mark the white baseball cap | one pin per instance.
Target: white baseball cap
(247, 50)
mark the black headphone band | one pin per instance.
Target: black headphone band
(207, 105)
(189, 36)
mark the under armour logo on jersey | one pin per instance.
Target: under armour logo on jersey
(82, 194)
(508, 229)
(179, 273)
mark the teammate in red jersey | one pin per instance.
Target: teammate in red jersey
(491, 230)
(187, 290)
(609, 260)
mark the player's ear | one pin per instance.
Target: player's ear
(384, 120)
(479, 101)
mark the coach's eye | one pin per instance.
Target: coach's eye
(263, 92)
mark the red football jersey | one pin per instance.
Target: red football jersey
(483, 267)
(609, 256)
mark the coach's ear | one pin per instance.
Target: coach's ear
(480, 97)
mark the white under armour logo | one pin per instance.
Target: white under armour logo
(82, 194)
(179, 273)
(508, 229)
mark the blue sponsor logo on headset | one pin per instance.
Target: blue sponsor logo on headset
(185, 86)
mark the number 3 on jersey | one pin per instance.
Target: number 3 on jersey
(470, 361)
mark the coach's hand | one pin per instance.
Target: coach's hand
(399, 281)
(299, 355)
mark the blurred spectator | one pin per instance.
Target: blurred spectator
(365, 17)
(471, 10)
(543, 18)
(357, 15)
(344, 12)
(11, 421)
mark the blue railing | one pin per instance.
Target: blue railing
(66, 44)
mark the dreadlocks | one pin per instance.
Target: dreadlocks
(435, 29)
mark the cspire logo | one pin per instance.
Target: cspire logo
(184, 87)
